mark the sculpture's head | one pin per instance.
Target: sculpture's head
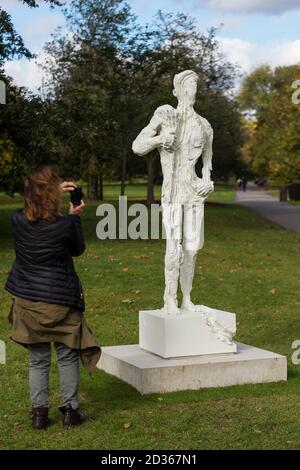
(185, 86)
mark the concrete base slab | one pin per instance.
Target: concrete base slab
(149, 373)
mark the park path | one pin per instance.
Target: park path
(271, 208)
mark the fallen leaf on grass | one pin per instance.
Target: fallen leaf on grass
(127, 425)
(273, 291)
(127, 301)
(125, 270)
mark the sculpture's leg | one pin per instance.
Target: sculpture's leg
(172, 219)
(187, 270)
(193, 240)
(172, 260)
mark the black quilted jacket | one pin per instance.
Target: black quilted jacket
(43, 269)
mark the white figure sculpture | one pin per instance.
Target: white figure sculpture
(182, 137)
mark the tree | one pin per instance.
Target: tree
(180, 45)
(274, 142)
(11, 43)
(24, 134)
(98, 82)
(106, 77)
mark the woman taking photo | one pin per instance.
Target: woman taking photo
(48, 301)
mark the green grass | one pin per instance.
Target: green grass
(275, 193)
(138, 192)
(244, 258)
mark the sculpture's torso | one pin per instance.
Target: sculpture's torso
(181, 184)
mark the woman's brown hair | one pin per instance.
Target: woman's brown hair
(42, 194)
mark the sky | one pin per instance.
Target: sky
(254, 32)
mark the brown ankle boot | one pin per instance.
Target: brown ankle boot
(71, 417)
(40, 418)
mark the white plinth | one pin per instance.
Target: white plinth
(149, 373)
(188, 334)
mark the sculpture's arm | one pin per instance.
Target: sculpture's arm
(207, 156)
(154, 136)
(146, 141)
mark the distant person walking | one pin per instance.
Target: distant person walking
(244, 184)
(239, 183)
(48, 301)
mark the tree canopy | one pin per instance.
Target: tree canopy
(106, 76)
(273, 144)
(11, 43)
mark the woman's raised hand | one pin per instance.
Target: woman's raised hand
(76, 210)
(67, 186)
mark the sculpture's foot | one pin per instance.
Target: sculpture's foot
(188, 305)
(171, 308)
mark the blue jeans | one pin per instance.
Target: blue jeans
(39, 366)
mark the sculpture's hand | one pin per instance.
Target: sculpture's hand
(168, 140)
(206, 188)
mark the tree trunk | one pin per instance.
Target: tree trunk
(94, 196)
(101, 187)
(150, 183)
(123, 175)
(283, 194)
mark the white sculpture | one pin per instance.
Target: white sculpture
(182, 137)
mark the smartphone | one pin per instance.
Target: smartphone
(76, 196)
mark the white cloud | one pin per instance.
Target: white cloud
(26, 73)
(43, 28)
(250, 55)
(246, 54)
(253, 6)
(238, 52)
(10, 4)
(286, 53)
